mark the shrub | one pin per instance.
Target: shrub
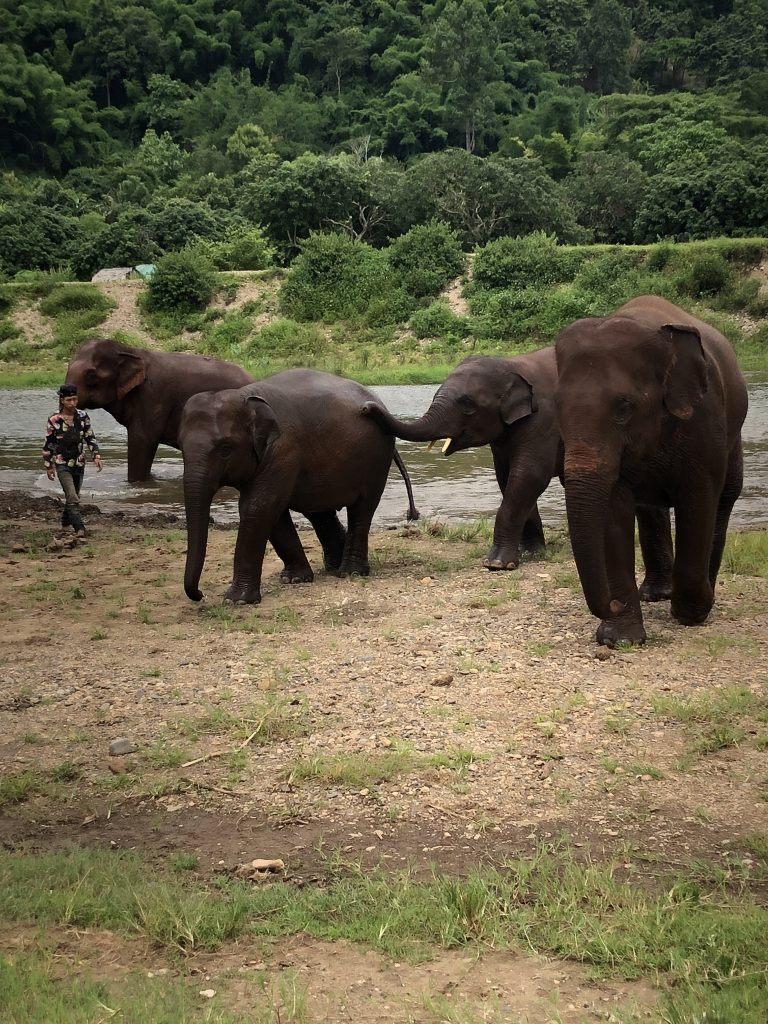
(531, 261)
(426, 258)
(709, 274)
(182, 281)
(242, 248)
(289, 341)
(438, 320)
(393, 308)
(335, 278)
(77, 298)
(659, 255)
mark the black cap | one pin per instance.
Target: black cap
(67, 390)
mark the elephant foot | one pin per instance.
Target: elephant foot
(332, 563)
(496, 565)
(302, 574)
(242, 595)
(499, 559)
(621, 630)
(651, 590)
(690, 614)
(353, 567)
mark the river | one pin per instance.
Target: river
(453, 489)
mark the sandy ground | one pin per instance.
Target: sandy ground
(486, 717)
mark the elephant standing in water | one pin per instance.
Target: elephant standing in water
(295, 441)
(508, 404)
(145, 391)
(650, 403)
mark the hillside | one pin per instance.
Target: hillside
(394, 315)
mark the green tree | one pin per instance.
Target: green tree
(464, 56)
(607, 190)
(603, 46)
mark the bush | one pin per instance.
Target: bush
(181, 281)
(241, 249)
(76, 298)
(335, 278)
(296, 344)
(659, 256)
(438, 321)
(532, 261)
(709, 274)
(426, 258)
(393, 308)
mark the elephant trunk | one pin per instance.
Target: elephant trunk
(586, 500)
(198, 494)
(436, 422)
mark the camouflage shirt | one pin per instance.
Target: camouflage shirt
(64, 442)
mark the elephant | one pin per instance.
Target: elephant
(145, 391)
(650, 403)
(508, 404)
(294, 441)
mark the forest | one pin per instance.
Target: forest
(128, 131)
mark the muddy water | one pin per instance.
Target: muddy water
(452, 489)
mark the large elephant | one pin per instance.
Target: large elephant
(650, 403)
(145, 391)
(294, 441)
(509, 405)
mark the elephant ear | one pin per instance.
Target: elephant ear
(686, 379)
(518, 401)
(264, 425)
(131, 371)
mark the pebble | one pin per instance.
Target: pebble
(121, 746)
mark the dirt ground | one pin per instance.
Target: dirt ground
(486, 716)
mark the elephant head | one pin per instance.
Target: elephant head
(104, 371)
(226, 437)
(620, 379)
(472, 407)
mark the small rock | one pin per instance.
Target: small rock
(207, 993)
(445, 680)
(121, 746)
(602, 654)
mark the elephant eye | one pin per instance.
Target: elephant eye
(467, 404)
(225, 450)
(91, 377)
(623, 407)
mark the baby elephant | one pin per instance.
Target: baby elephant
(297, 440)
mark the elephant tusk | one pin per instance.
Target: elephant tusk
(430, 446)
(447, 444)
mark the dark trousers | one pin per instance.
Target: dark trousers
(71, 480)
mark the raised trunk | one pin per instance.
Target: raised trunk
(434, 424)
(197, 503)
(586, 502)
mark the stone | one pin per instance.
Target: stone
(121, 746)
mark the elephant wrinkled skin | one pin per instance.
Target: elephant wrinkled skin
(509, 405)
(294, 441)
(650, 403)
(145, 391)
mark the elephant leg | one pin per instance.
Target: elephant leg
(692, 592)
(359, 519)
(658, 554)
(257, 523)
(626, 624)
(734, 480)
(332, 536)
(141, 455)
(284, 538)
(518, 524)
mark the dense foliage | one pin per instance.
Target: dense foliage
(128, 131)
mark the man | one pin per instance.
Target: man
(67, 432)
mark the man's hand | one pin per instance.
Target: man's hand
(50, 472)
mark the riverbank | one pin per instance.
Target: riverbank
(432, 715)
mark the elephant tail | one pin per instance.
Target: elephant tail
(413, 512)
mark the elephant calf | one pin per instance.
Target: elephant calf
(295, 441)
(508, 404)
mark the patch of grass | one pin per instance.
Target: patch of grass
(702, 951)
(719, 738)
(275, 718)
(185, 862)
(354, 770)
(709, 706)
(746, 553)
(620, 725)
(17, 787)
(646, 769)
